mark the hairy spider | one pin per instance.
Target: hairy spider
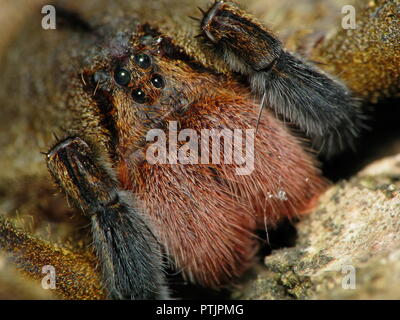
(202, 215)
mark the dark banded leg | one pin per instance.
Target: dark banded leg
(318, 104)
(128, 252)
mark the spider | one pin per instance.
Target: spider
(201, 216)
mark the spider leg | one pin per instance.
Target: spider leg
(129, 254)
(320, 105)
(76, 276)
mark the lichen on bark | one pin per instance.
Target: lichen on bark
(356, 227)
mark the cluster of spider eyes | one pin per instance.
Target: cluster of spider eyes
(123, 77)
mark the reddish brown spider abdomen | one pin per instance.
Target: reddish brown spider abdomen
(205, 215)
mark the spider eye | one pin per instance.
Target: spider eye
(139, 96)
(122, 76)
(143, 60)
(157, 81)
